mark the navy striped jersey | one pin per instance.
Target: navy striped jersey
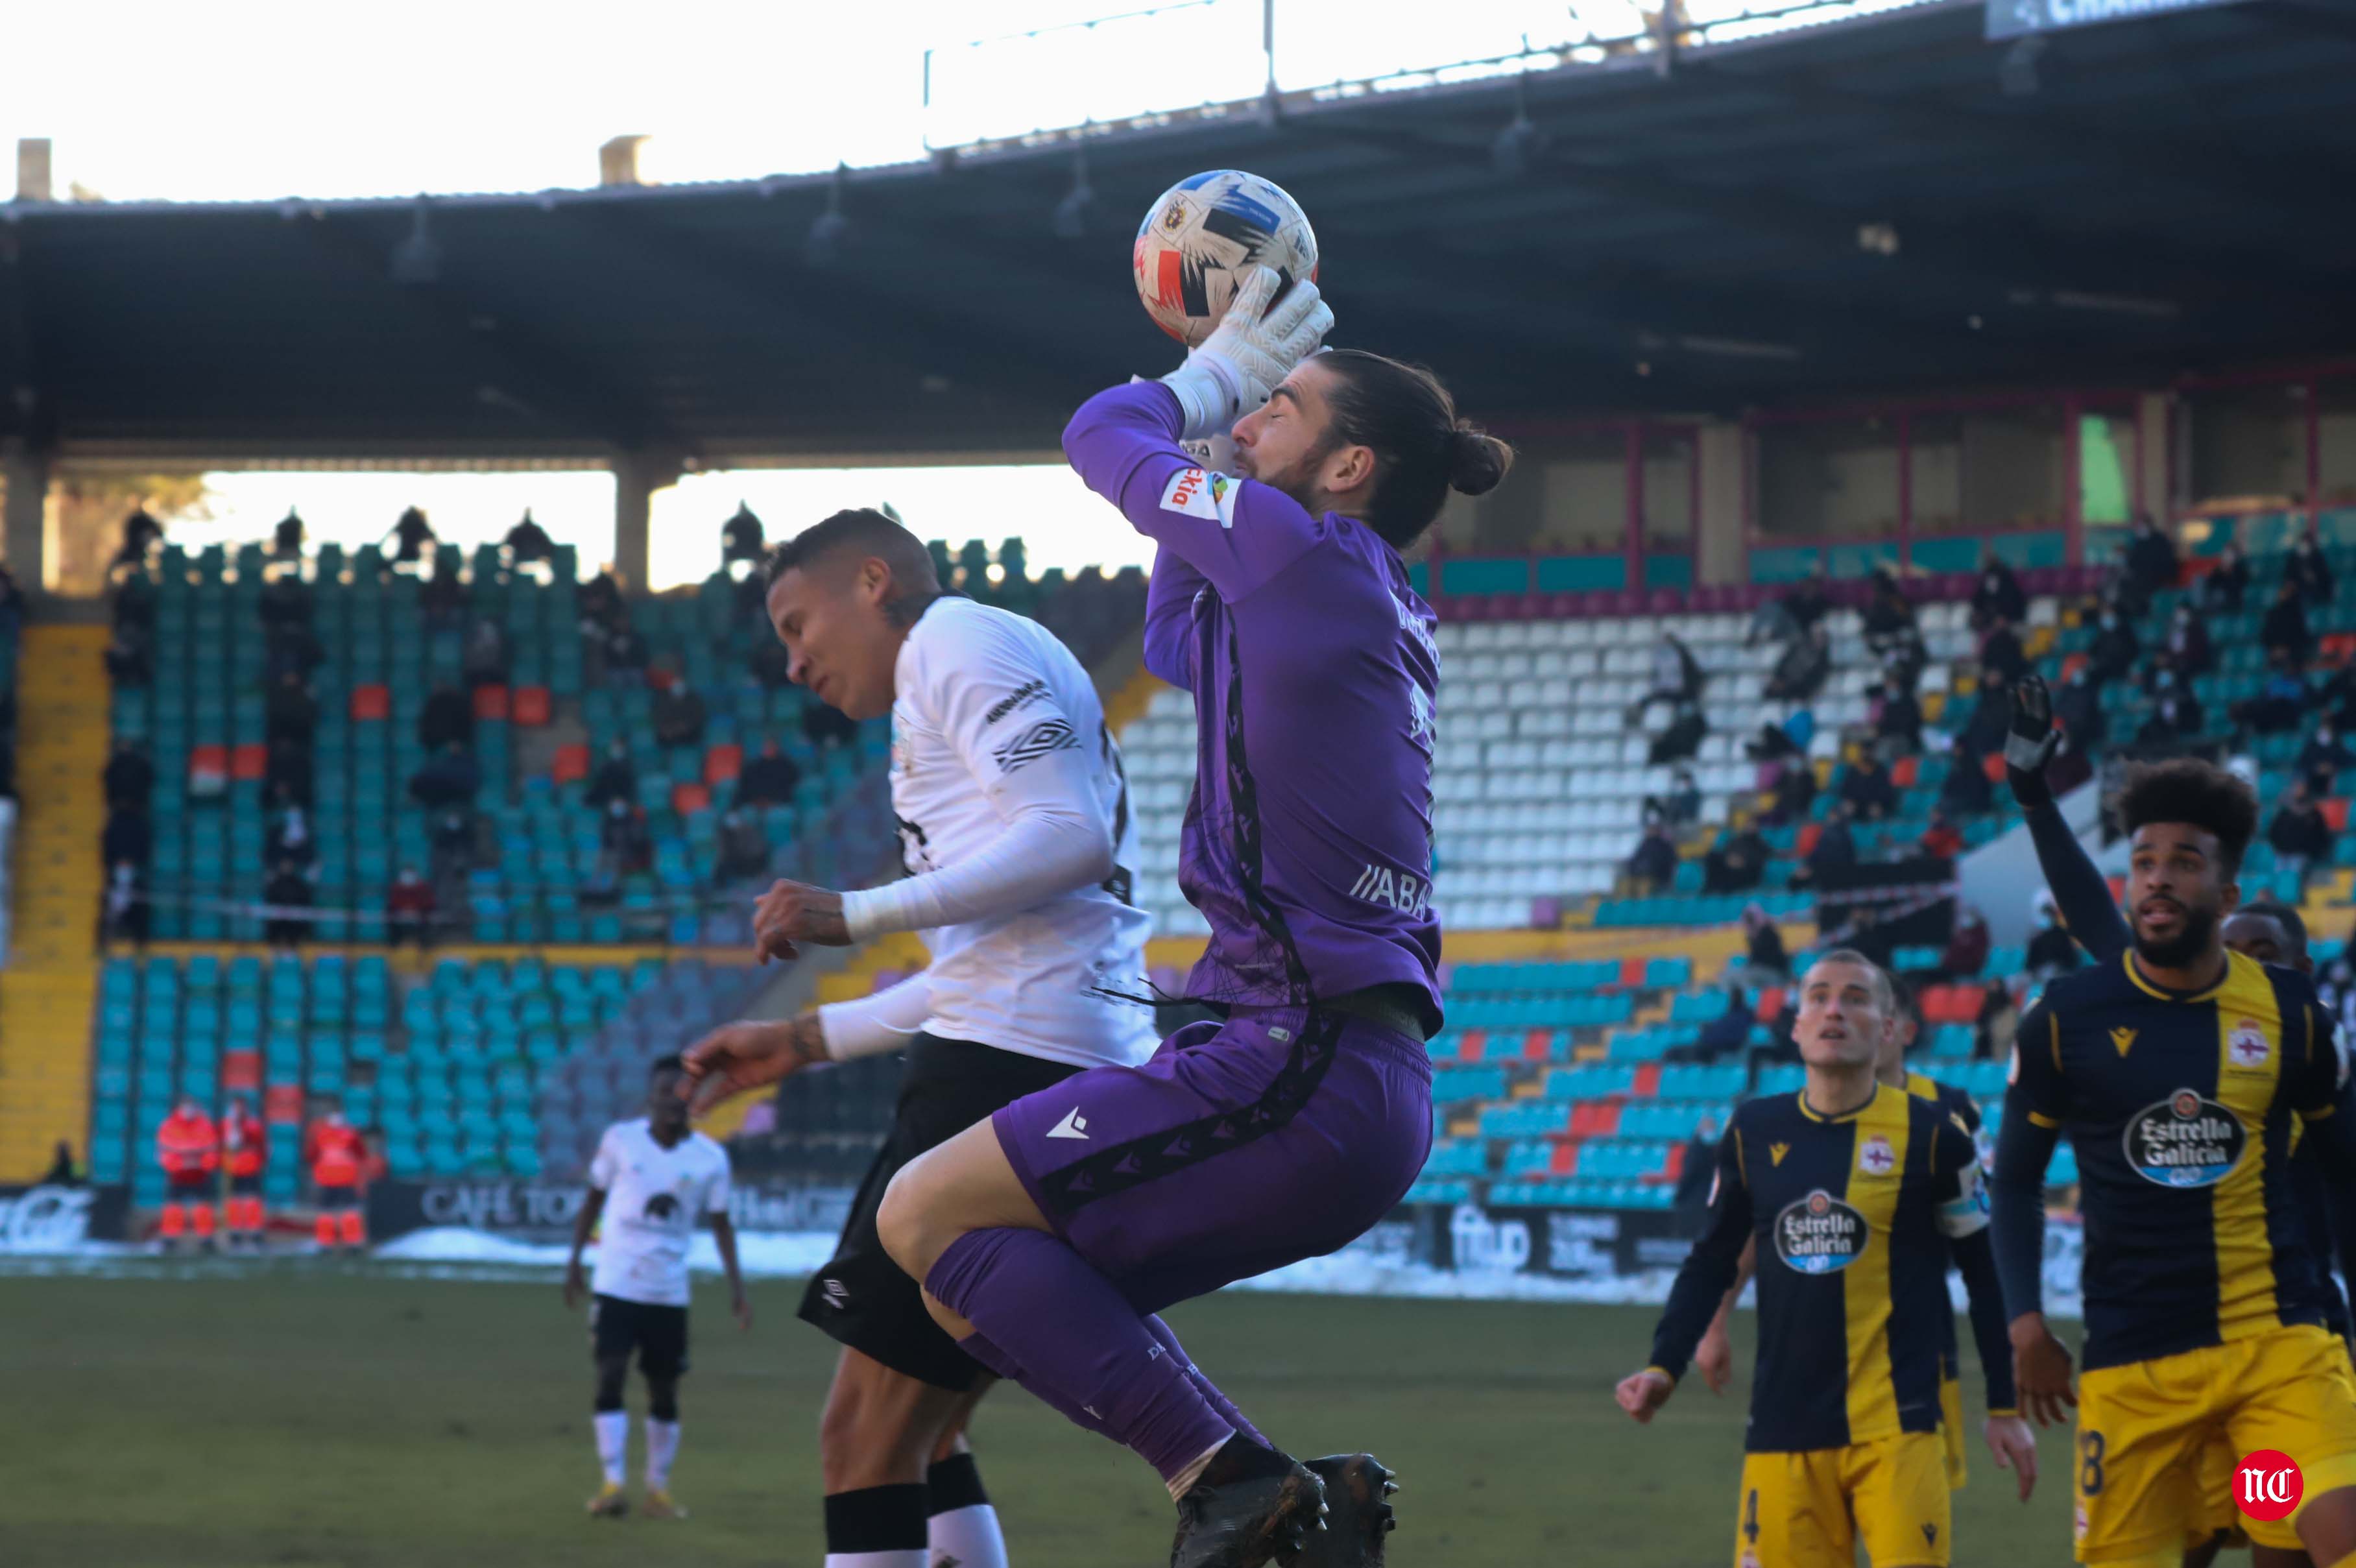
(2182, 1105)
(1852, 1215)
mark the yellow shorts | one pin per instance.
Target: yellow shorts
(1951, 1429)
(1807, 1510)
(2212, 1509)
(2143, 1429)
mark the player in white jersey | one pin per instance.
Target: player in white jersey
(653, 1181)
(1014, 832)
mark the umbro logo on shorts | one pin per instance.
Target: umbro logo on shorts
(1073, 1125)
(836, 1296)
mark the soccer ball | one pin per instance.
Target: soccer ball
(1204, 231)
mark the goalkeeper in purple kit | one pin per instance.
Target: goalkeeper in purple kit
(1048, 1237)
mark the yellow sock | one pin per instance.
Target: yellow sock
(2347, 1562)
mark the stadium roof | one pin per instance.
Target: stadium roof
(1859, 206)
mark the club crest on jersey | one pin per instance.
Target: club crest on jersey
(1876, 1157)
(1198, 492)
(2247, 1047)
(1820, 1234)
(2184, 1140)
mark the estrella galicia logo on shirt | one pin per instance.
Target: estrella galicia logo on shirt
(2184, 1140)
(1196, 492)
(1820, 1234)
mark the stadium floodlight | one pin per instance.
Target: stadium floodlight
(417, 260)
(1072, 212)
(829, 230)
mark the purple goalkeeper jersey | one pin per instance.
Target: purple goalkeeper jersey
(1306, 842)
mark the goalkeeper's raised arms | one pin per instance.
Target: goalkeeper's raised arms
(1253, 348)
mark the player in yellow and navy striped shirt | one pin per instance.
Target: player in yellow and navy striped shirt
(1853, 1191)
(2180, 1072)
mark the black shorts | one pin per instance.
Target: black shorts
(861, 1298)
(339, 1197)
(245, 1186)
(658, 1335)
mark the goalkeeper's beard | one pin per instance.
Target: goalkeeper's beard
(2188, 943)
(1299, 481)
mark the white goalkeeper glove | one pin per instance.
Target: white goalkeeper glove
(1250, 351)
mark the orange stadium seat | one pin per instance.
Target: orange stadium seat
(491, 703)
(722, 764)
(570, 765)
(533, 706)
(686, 798)
(371, 702)
(250, 762)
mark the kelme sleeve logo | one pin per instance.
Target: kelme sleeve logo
(2184, 1140)
(1820, 1234)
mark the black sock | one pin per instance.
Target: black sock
(954, 1483)
(876, 1519)
(1241, 1459)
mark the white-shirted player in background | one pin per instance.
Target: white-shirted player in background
(1015, 834)
(653, 1180)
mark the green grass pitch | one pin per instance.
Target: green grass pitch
(334, 1414)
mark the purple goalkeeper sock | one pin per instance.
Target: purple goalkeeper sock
(1210, 1390)
(1045, 1318)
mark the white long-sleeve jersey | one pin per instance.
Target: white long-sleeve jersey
(1015, 832)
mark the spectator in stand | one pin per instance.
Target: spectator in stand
(1795, 790)
(1801, 670)
(2299, 834)
(740, 538)
(744, 848)
(131, 656)
(2309, 570)
(448, 719)
(1868, 790)
(288, 894)
(1999, 596)
(141, 533)
(2226, 585)
(285, 602)
(1676, 673)
(287, 539)
(2001, 654)
(292, 648)
(2176, 719)
(1653, 865)
(2285, 628)
(528, 541)
(2151, 556)
(2160, 676)
(408, 909)
(1897, 721)
(450, 778)
(1966, 791)
(823, 727)
(454, 850)
(2116, 648)
(1889, 612)
(294, 713)
(1696, 1176)
(602, 607)
(128, 839)
(411, 535)
(2188, 643)
(679, 716)
(626, 656)
(1736, 864)
(769, 780)
(1942, 840)
(772, 665)
(2282, 704)
(1967, 947)
(1999, 1017)
(1984, 727)
(1765, 960)
(2324, 758)
(290, 838)
(1789, 619)
(1682, 738)
(1681, 806)
(443, 599)
(1835, 848)
(622, 837)
(2338, 697)
(486, 654)
(127, 906)
(615, 779)
(130, 777)
(2078, 706)
(289, 769)
(2053, 950)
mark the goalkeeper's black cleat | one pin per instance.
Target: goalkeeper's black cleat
(1252, 1506)
(1358, 1519)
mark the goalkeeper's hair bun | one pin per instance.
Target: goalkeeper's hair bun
(1422, 451)
(1477, 461)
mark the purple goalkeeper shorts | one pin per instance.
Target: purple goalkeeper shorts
(1240, 1148)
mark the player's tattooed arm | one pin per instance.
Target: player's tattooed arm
(791, 913)
(739, 1056)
